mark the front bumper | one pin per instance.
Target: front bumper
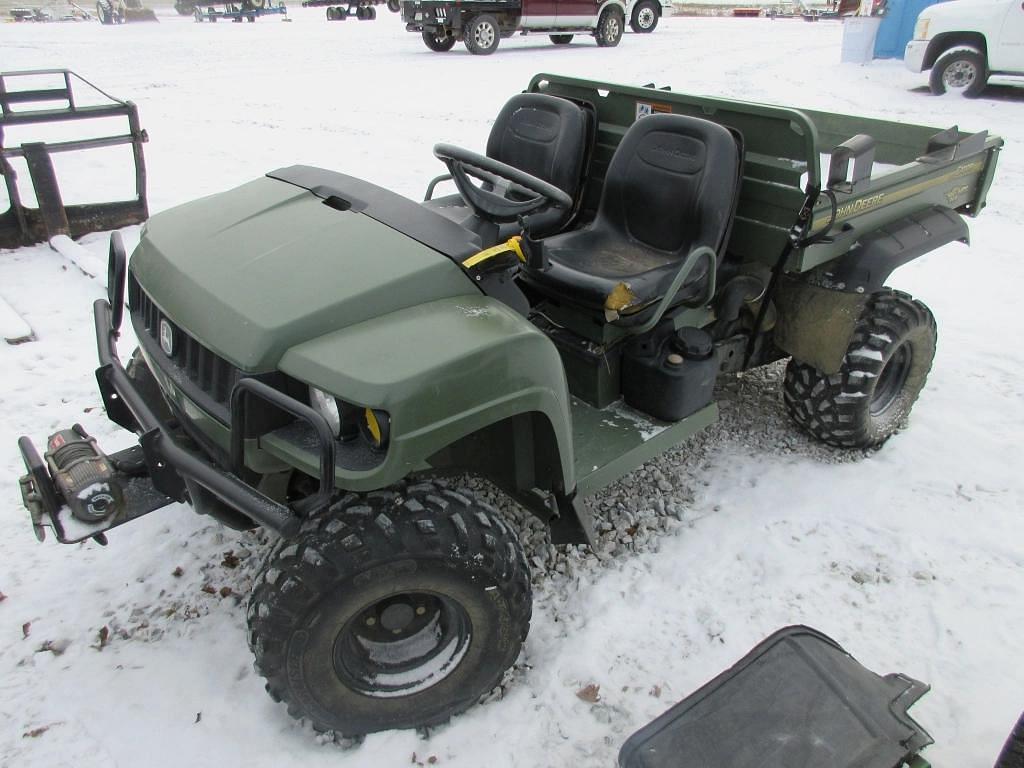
(913, 56)
(167, 464)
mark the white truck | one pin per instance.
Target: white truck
(963, 42)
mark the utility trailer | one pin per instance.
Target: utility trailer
(246, 11)
(188, 7)
(559, 321)
(48, 96)
(363, 10)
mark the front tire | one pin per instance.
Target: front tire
(882, 374)
(609, 28)
(962, 71)
(645, 17)
(483, 35)
(438, 42)
(397, 609)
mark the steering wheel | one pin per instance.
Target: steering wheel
(492, 204)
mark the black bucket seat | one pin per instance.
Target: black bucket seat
(545, 136)
(670, 189)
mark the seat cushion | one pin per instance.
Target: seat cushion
(586, 266)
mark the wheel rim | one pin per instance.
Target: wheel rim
(483, 35)
(611, 28)
(401, 645)
(645, 18)
(891, 380)
(959, 74)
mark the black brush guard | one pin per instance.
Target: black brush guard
(157, 468)
(22, 225)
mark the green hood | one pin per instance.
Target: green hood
(253, 271)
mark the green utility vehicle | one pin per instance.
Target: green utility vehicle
(315, 352)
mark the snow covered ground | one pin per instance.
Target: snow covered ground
(911, 557)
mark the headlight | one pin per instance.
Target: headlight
(326, 406)
(376, 428)
(921, 29)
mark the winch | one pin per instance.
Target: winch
(83, 474)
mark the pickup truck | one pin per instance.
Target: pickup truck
(964, 42)
(481, 25)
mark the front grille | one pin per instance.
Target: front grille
(204, 369)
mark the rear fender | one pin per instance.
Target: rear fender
(868, 264)
(443, 371)
(819, 311)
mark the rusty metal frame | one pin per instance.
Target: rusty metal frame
(21, 225)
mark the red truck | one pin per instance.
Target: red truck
(482, 23)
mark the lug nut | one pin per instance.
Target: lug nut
(420, 610)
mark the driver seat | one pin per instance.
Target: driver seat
(544, 136)
(671, 187)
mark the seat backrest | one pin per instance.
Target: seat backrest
(546, 136)
(672, 184)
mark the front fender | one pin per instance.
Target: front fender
(442, 370)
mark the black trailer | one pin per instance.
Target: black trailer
(363, 10)
(246, 10)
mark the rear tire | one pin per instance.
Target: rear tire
(645, 17)
(962, 71)
(882, 374)
(483, 35)
(395, 609)
(609, 28)
(561, 39)
(394, 6)
(437, 43)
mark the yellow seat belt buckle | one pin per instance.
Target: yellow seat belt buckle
(512, 245)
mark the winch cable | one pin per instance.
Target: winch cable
(796, 238)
